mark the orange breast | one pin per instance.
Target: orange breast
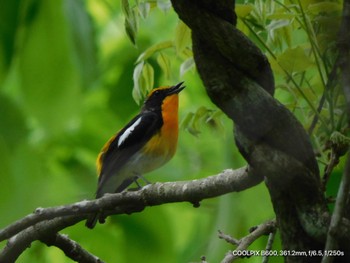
(165, 142)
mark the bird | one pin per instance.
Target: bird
(146, 143)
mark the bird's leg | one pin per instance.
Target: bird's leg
(139, 176)
(144, 179)
(137, 183)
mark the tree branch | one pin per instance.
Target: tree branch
(18, 243)
(243, 244)
(229, 239)
(49, 221)
(269, 244)
(70, 248)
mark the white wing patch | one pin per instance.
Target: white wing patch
(128, 131)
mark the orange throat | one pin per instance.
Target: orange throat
(165, 142)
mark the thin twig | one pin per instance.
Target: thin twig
(333, 161)
(228, 238)
(269, 244)
(245, 242)
(340, 206)
(329, 85)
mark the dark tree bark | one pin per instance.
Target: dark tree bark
(344, 63)
(238, 79)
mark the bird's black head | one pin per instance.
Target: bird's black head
(157, 96)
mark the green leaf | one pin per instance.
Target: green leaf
(203, 115)
(136, 95)
(279, 32)
(280, 14)
(275, 24)
(215, 122)
(294, 60)
(324, 7)
(165, 64)
(151, 50)
(198, 117)
(187, 120)
(187, 53)
(148, 77)
(126, 8)
(153, 4)
(186, 66)
(143, 81)
(137, 92)
(287, 33)
(182, 37)
(131, 26)
(189, 125)
(144, 9)
(131, 21)
(243, 10)
(165, 6)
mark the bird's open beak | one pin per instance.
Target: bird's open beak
(176, 89)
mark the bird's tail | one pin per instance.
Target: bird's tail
(100, 216)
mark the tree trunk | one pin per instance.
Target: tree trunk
(238, 79)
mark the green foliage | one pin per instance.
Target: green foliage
(300, 40)
(69, 76)
(195, 120)
(143, 73)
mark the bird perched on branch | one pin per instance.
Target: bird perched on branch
(146, 143)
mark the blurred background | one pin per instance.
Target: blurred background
(73, 72)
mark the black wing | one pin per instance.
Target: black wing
(125, 144)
